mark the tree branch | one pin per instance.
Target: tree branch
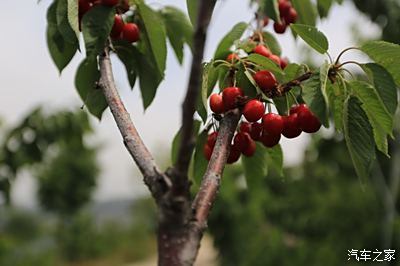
(157, 182)
(188, 138)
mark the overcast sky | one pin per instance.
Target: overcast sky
(29, 78)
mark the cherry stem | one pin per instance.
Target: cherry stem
(343, 52)
(348, 62)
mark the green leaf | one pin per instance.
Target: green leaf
(153, 31)
(73, 17)
(86, 80)
(177, 140)
(233, 35)
(306, 10)
(271, 42)
(128, 54)
(359, 137)
(265, 63)
(246, 82)
(384, 85)
(323, 7)
(292, 71)
(200, 162)
(275, 159)
(223, 73)
(337, 95)
(179, 30)
(60, 50)
(324, 71)
(96, 27)
(315, 99)
(63, 22)
(192, 7)
(271, 9)
(256, 166)
(386, 54)
(312, 36)
(209, 79)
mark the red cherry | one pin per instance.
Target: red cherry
(207, 152)
(231, 58)
(230, 96)
(291, 16)
(284, 63)
(84, 7)
(272, 124)
(251, 149)
(265, 80)
(117, 27)
(130, 32)
(295, 108)
(280, 27)
(234, 155)
(245, 127)
(284, 7)
(308, 122)
(241, 141)
(265, 21)
(96, 2)
(256, 130)
(109, 2)
(291, 127)
(211, 139)
(276, 59)
(270, 140)
(216, 103)
(253, 110)
(262, 50)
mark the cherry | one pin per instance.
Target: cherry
(295, 108)
(241, 141)
(245, 127)
(272, 124)
(253, 110)
(284, 63)
(284, 7)
(230, 96)
(84, 7)
(212, 138)
(251, 149)
(231, 58)
(117, 27)
(280, 27)
(291, 16)
(234, 155)
(265, 80)
(291, 127)
(270, 140)
(216, 103)
(276, 59)
(207, 152)
(308, 122)
(256, 130)
(130, 32)
(262, 50)
(109, 2)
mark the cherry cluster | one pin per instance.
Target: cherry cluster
(264, 51)
(288, 15)
(120, 30)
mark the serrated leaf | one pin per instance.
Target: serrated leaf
(315, 99)
(336, 93)
(323, 76)
(177, 140)
(179, 30)
(192, 7)
(153, 30)
(209, 79)
(63, 22)
(275, 159)
(128, 54)
(60, 50)
(323, 7)
(283, 104)
(223, 73)
(307, 13)
(73, 17)
(312, 36)
(271, 42)
(359, 137)
(225, 44)
(96, 27)
(386, 54)
(265, 63)
(256, 166)
(200, 162)
(270, 8)
(246, 82)
(384, 85)
(292, 71)
(86, 80)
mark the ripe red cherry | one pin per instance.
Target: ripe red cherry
(253, 110)
(280, 27)
(256, 130)
(211, 139)
(265, 80)
(284, 7)
(276, 59)
(295, 108)
(241, 141)
(130, 32)
(245, 127)
(284, 63)
(262, 50)
(308, 122)
(272, 124)
(291, 127)
(270, 140)
(109, 2)
(207, 152)
(117, 27)
(84, 7)
(231, 58)
(216, 103)
(230, 96)
(234, 155)
(291, 16)
(251, 149)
